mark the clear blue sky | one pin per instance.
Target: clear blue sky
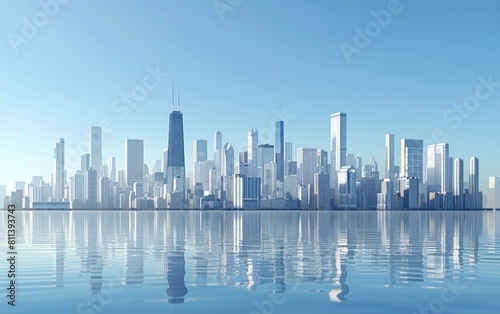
(263, 56)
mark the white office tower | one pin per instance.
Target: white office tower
(213, 185)
(303, 196)
(104, 195)
(389, 156)
(438, 170)
(290, 184)
(217, 147)
(306, 165)
(322, 162)
(338, 146)
(134, 161)
(494, 192)
(60, 180)
(476, 198)
(346, 188)
(322, 190)
(227, 172)
(253, 144)
(112, 170)
(157, 166)
(385, 197)
(96, 147)
(458, 183)
(199, 155)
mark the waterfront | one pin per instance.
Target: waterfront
(255, 261)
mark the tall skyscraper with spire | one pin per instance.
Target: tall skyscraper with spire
(175, 152)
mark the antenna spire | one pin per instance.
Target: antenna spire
(173, 96)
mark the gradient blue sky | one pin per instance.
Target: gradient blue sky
(263, 56)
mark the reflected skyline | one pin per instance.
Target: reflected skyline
(190, 256)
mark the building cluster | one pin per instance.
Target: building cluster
(264, 176)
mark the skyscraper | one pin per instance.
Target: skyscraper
(306, 165)
(112, 169)
(59, 178)
(90, 186)
(134, 161)
(288, 151)
(253, 143)
(95, 147)
(474, 182)
(437, 168)
(279, 149)
(199, 155)
(458, 183)
(338, 145)
(199, 150)
(175, 159)
(494, 192)
(85, 162)
(227, 160)
(412, 159)
(389, 156)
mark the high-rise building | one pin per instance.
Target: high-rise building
(288, 151)
(175, 159)
(322, 161)
(227, 160)
(306, 165)
(199, 150)
(338, 146)
(252, 144)
(199, 154)
(476, 199)
(60, 180)
(409, 191)
(279, 149)
(112, 170)
(389, 156)
(322, 190)
(85, 162)
(134, 161)
(96, 147)
(494, 192)
(458, 183)
(90, 186)
(247, 192)
(346, 188)
(438, 179)
(412, 158)
(265, 154)
(104, 193)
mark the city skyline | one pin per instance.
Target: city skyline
(404, 82)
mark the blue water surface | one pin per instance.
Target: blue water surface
(256, 262)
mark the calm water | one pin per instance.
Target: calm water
(254, 262)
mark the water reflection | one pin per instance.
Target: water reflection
(262, 252)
